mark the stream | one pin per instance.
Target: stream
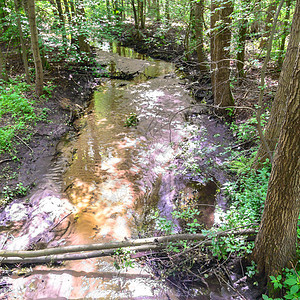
(108, 178)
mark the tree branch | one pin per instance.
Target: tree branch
(106, 249)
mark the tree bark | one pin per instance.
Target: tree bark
(275, 245)
(278, 109)
(220, 55)
(39, 75)
(199, 25)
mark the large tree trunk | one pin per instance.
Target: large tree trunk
(278, 109)
(39, 75)
(23, 48)
(220, 56)
(275, 245)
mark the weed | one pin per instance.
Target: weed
(132, 120)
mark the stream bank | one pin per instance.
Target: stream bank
(102, 172)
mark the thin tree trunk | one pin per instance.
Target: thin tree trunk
(284, 34)
(268, 22)
(39, 75)
(275, 245)
(23, 47)
(3, 73)
(240, 57)
(136, 19)
(278, 109)
(167, 11)
(141, 13)
(199, 25)
(62, 23)
(220, 55)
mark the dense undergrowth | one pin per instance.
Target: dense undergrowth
(245, 190)
(18, 112)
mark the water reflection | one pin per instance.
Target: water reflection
(112, 171)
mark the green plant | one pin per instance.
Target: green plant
(288, 282)
(132, 120)
(9, 193)
(123, 259)
(251, 270)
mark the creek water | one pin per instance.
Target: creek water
(113, 176)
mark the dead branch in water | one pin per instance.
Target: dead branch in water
(107, 249)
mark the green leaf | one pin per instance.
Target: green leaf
(291, 281)
(294, 289)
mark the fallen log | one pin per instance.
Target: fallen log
(106, 249)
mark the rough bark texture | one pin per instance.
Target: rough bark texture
(275, 244)
(39, 75)
(278, 109)
(220, 57)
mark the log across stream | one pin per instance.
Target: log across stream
(108, 179)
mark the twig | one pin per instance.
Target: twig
(5, 160)
(59, 222)
(23, 142)
(229, 285)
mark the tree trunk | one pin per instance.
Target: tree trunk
(141, 13)
(284, 34)
(275, 245)
(220, 58)
(268, 22)
(278, 109)
(240, 57)
(83, 44)
(39, 76)
(198, 26)
(157, 10)
(135, 15)
(23, 48)
(62, 24)
(167, 11)
(3, 73)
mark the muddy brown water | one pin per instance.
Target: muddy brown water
(111, 176)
